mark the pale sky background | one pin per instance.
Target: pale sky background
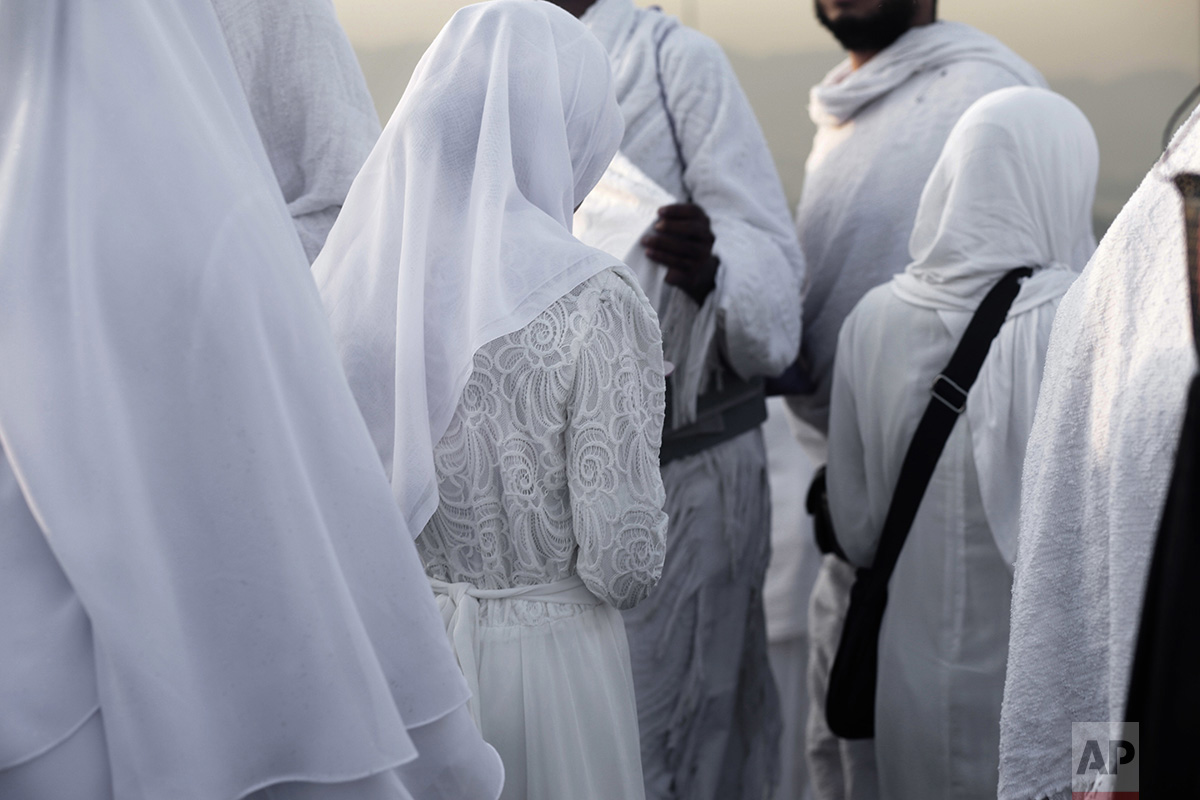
(1064, 38)
(1126, 63)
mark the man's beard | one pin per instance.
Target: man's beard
(873, 33)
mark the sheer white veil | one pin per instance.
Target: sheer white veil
(458, 228)
(175, 412)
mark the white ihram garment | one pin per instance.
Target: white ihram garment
(309, 100)
(880, 129)
(196, 530)
(706, 705)
(791, 575)
(1095, 479)
(511, 388)
(1014, 187)
(550, 521)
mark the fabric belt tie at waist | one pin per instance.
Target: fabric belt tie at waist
(459, 604)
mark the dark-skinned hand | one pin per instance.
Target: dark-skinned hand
(682, 241)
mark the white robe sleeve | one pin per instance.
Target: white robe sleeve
(732, 176)
(854, 524)
(613, 438)
(309, 100)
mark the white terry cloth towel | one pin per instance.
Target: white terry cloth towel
(493, 145)
(309, 100)
(729, 173)
(1014, 187)
(880, 129)
(220, 537)
(1095, 479)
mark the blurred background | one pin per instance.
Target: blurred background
(1126, 63)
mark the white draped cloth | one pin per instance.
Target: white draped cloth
(706, 704)
(198, 540)
(513, 383)
(880, 128)
(1014, 187)
(1095, 479)
(791, 575)
(309, 100)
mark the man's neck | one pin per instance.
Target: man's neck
(860, 57)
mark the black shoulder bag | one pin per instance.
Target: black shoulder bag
(850, 702)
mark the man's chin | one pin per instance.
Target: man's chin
(874, 31)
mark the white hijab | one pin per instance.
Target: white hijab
(176, 415)
(458, 228)
(1013, 187)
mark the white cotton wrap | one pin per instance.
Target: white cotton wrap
(1095, 478)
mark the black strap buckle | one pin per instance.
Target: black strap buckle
(943, 389)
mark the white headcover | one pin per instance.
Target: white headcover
(176, 415)
(458, 228)
(1013, 187)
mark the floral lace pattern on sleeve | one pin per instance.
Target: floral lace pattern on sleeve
(550, 465)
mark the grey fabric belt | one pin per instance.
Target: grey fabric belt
(721, 415)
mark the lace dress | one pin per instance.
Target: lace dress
(550, 520)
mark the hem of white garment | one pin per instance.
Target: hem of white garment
(349, 777)
(408, 726)
(324, 779)
(43, 749)
(1057, 792)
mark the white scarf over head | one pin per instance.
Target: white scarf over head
(846, 90)
(1096, 476)
(175, 413)
(309, 100)
(1013, 187)
(458, 228)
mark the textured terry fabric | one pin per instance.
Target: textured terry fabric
(309, 100)
(1096, 474)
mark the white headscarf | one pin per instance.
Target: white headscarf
(176, 415)
(458, 228)
(1014, 187)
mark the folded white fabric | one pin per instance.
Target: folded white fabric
(1096, 474)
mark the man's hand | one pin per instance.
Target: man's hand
(682, 241)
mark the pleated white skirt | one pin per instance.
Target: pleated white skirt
(554, 688)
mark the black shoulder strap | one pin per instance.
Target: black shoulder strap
(949, 390)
